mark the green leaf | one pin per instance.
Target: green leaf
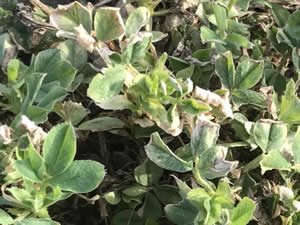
(194, 107)
(204, 136)
(32, 221)
(112, 197)
(127, 216)
(108, 24)
(243, 212)
(294, 24)
(81, 176)
(103, 88)
(296, 147)
(148, 173)
(225, 69)
(243, 4)
(290, 105)
(33, 84)
(23, 167)
(136, 20)
(296, 59)
(5, 218)
(59, 149)
(74, 53)
(281, 15)
(151, 208)
(221, 17)
(274, 160)
(135, 190)
(71, 111)
(67, 17)
(118, 102)
(161, 155)
(244, 97)
(238, 40)
(183, 213)
(102, 124)
(270, 135)
(248, 73)
(208, 35)
(50, 61)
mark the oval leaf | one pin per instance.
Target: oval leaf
(136, 20)
(82, 176)
(59, 149)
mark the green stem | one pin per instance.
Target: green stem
(253, 164)
(200, 180)
(236, 144)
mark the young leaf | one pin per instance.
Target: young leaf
(102, 88)
(13, 69)
(248, 73)
(136, 20)
(225, 69)
(194, 107)
(270, 135)
(59, 149)
(108, 24)
(242, 213)
(5, 218)
(81, 176)
(204, 136)
(67, 17)
(161, 155)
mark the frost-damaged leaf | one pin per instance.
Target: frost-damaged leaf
(102, 124)
(5, 218)
(161, 155)
(212, 163)
(183, 213)
(5, 46)
(248, 73)
(118, 102)
(204, 136)
(59, 149)
(71, 111)
(274, 160)
(103, 88)
(242, 213)
(270, 135)
(108, 24)
(67, 17)
(57, 68)
(225, 69)
(136, 20)
(81, 176)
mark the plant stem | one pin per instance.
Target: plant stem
(236, 144)
(253, 164)
(200, 180)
